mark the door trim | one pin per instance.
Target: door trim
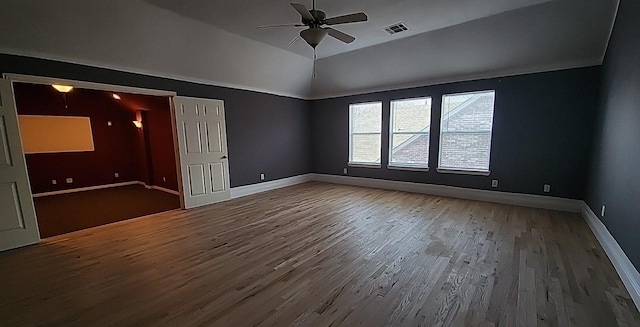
(85, 85)
(176, 151)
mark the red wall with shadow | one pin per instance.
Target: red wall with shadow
(158, 139)
(120, 148)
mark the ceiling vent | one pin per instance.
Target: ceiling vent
(396, 28)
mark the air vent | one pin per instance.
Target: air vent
(396, 28)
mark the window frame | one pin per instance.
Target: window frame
(352, 163)
(408, 166)
(470, 171)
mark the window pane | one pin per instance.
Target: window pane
(467, 112)
(467, 151)
(366, 148)
(366, 117)
(466, 124)
(412, 115)
(412, 149)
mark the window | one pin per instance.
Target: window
(409, 133)
(465, 131)
(365, 129)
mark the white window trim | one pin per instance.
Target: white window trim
(408, 166)
(351, 163)
(462, 171)
(364, 165)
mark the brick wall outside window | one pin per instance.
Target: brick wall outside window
(458, 149)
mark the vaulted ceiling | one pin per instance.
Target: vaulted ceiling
(217, 42)
(242, 17)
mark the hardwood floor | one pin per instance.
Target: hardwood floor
(317, 255)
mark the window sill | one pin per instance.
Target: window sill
(410, 168)
(464, 172)
(363, 165)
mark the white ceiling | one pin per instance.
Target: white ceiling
(138, 37)
(242, 18)
(216, 41)
(551, 36)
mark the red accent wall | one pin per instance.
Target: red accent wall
(120, 148)
(157, 139)
(161, 148)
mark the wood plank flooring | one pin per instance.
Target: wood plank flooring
(321, 255)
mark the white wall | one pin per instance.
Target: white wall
(138, 37)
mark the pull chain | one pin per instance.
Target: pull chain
(314, 62)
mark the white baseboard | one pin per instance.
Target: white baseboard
(241, 191)
(627, 271)
(525, 200)
(83, 189)
(99, 187)
(160, 188)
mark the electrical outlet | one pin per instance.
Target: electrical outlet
(54, 182)
(494, 183)
(116, 175)
(602, 211)
(164, 179)
(344, 171)
(547, 188)
(109, 123)
(69, 180)
(261, 177)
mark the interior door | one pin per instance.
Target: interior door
(202, 144)
(18, 226)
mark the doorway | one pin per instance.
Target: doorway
(95, 157)
(198, 133)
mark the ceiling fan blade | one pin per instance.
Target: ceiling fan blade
(351, 18)
(344, 37)
(294, 41)
(279, 25)
(304, 12)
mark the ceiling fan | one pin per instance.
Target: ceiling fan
(315, 21)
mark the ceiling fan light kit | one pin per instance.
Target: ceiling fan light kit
(314, 36)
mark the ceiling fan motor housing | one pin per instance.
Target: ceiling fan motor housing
(318, 15)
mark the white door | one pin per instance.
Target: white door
(18, 226)
(202, 144)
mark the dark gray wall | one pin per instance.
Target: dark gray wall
(266, 133)
(614, 178)
(542, 133)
